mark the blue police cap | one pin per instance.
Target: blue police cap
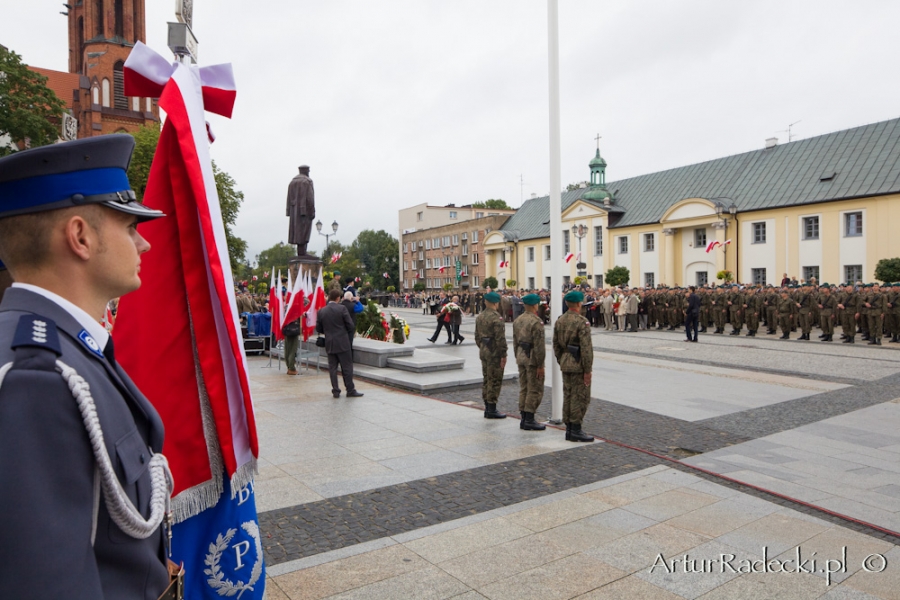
(87, 171)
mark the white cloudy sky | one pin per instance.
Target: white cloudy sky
(396, 102)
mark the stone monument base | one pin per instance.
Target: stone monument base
(307, 261)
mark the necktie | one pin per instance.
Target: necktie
(109, 352)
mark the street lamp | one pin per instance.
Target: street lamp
(580, 231)
(720, 212)
(334, 228)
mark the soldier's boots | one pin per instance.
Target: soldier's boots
(529, 424)
(874, 342)
(491, 412)
(851, 339)
(575, 434)
(785, 336)
(828, 338)
(735, 331)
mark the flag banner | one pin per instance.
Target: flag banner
(441, 270)
(336, 257)
(569, 257)
(712, 246)
(386, 276)
(503, 264)
(204, 398)
(726, 242)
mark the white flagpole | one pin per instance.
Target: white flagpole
(555, 200)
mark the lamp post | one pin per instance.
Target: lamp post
(579, 231)
(334, 228)
(720, 212)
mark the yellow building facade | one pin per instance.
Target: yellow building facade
(825, 207)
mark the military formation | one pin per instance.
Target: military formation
(571, 347)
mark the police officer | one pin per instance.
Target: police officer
(529, 347)
(575, 355)
(490, 337)
(68, 234)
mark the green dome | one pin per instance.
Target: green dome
(596, 193)
(597, 161)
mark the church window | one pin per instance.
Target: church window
(119, 86)
(95, 95)
(120, 19)
(79, 48)
(106, 92)
(98, 19)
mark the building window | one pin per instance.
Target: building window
(95, 95)
(479, 215)
(565, 241)
(700, 238)
(427, 263)
(106, 93)
(531, 283)
(810, 273)
(136, 104)
(456, 240)
(759, 275)
(428, 244)
(413, 265)
(649, 280)
(148, 104)
(465, 249)
(810, 228)
(446, 242)
(121, 102)
(759, 233)
(853, 224)
(421, 256)
(649, 242)
(853, 273)
(598, 241)
(452, 214)
(547, 252)
(598, 281)
(623, 244)
(702, 278)
(465, 235)
(405, 265)
(406, 247)
(419, 217)
(546, 283)
(429, 283)
(529, 254)
(474, 237)
(475, 281)
(566, 280)
(474, 258)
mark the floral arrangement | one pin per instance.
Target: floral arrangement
(399, 329)
(450, 306)
(371, 323)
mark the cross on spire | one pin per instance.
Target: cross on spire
(597, 139)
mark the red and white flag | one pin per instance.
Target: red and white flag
(296, 305)
(441, 270)
(386, 276)
(318, 301)
(336, 257)
(569, 257)
(503, 264)
(712, 246)
(275, 306)
(255, 278)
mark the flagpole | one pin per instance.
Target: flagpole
(555, 201)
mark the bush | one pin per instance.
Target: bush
(447, 287)
(579, 280)
(491, 282)
(419, 287)
(725, 275)
(617, 276)
(391, 289)
(510, 283)
(887, 270)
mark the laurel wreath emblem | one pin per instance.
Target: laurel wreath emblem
(217, 581)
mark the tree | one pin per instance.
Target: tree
(230, 200)
(491, 282)
(275, 258)
(494, 203)
(510, 283)
(447, 287)
(30, 113)
(617, 276)
(376, 251)
(419, 287)
(145, 141)
(887, 270)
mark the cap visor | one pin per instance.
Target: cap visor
(135, 208)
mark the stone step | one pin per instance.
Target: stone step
(424, 361)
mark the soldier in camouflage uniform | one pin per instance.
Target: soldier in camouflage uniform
(804, 304)
(752, 308)
(827, 305)
(892, 318)
(705, 307)
(877, 308)
(735, 309)
(850, 307)
(490, 337)
(770, 301)
(529, 346)
(719, 307)
(575, 355)
(785, 309)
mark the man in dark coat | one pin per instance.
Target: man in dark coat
(335, 322)
(692, 314)
(301, 208)
(68, 234)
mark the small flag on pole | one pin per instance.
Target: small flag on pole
(386, 276)
(503, 264)
(336, 257)
(569, 256)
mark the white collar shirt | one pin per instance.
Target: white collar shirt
(91, 325)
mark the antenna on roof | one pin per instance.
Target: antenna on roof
(788, 131)
(521, 190)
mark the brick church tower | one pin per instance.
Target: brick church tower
(101, 35)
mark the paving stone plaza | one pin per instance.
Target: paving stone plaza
(413, 494)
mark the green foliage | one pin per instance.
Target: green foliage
(419, 287)
(376, 252)
(369, 322)
(391, 289)
(275, 258)
(29, 110)
(447, 287)
(145, 141)
(510, 283)
(262, 287)
(888, 270)
(494, 203)
(230, 200)
(490, 282)
(725, 275)
(617, 276)
(579, 280)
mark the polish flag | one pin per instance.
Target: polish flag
(569, 257)
(503, 264)
(386, 276)
(295, 307)
(275, 305)
(317, 302)
(336, 257)
(441, 270)
(712, 246)
(726, 242)
(255, 278)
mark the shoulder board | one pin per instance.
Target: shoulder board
(37, 332)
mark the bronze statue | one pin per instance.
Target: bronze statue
(301, 208)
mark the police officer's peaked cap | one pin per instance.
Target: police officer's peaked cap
(87, 171)
(531, 299)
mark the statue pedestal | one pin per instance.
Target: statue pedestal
(307, 262)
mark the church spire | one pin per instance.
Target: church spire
(598, 191)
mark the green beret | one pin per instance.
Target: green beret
(825, 285)
(337, 272)
(574, 296)
(531, 299)
(492, 297)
